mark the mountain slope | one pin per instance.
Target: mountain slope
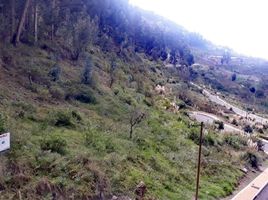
(86, 119)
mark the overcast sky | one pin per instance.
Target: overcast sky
(239, 24)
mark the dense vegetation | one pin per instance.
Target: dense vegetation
(77, 83)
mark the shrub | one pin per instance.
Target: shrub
(87, 73)
(76, 116)
(260, 94)
(65, 118)
(44, 162)
(87, 98)
(248, 129)
(54, 144)
(208, 139)
(57, 93)
(98, 141)
(81, 94)
(252, 89)
(235, 141)
(220, 125)
(116, 91)
(2, 124)
(55, 72)
(234, 122)
(194, 136)
(148, 102)
(233, 77)
(252, 159)
(260, 145)
(128, 99)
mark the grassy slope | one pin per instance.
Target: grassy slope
(99, 155)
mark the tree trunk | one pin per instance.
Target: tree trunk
(35, 22)
(12, 18)
(111, 81)
(131, 132)
(16, 38)
(53, 5)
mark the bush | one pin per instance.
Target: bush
(252, 159)
(260, 145)
(252, 89)
(220, 125)
(2, 124)
(260, 94)
(128, 99)
(87, 98)
(81, 94)
(194, 136)
(248, 129)
(55, 72)
(65, 118)
(76, 116)
(116, 91)
(98, 141)
(234, 122)
(54, 144)
(87, 73)
(235, 141)
(56, 93)
(233, 77)
(208, 139)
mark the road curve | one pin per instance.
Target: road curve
(208, 118)
(216, 99)
(255, 188)
(263, 195)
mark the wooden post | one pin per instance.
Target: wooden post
(199, 161)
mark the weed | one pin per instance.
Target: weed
(2, 124)
(54, 144)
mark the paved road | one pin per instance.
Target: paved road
(265, 142)
(253, 189)
(216, 99)
(263, 195)
(208, 118)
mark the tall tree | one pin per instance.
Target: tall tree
(36, 21)
(12, 18)
(53, 5)
(16, 37)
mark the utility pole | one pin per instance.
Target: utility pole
(199, 160)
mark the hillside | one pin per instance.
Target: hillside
(96, 96)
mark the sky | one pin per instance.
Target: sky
(238, 24)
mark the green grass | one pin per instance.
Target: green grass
(78, 149)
